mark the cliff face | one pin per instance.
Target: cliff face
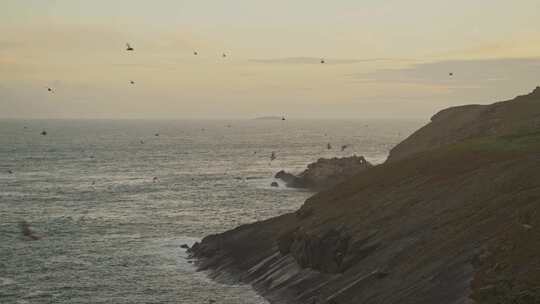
(448, 219)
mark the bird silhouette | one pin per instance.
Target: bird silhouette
(195, 53)
(27, 231)
(322, 61)
(132, 82)
(129, 47)
(224, 55)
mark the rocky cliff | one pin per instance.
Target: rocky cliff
(325, 173)
(451, 217)
(458, 124)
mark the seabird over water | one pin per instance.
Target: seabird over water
(27, 232)
(273, 156)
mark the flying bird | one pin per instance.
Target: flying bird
(129, 47)
(329, 146)
(273, 156)
(49, 89)
(27, 231)
(283, 118)
(450, 74)
(132, 82)
(322, 61)
(224, 55)
(195, 53)
(43, 132)
(344, 147)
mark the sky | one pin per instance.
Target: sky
(384, 58)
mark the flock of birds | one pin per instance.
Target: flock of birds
(130, 48)
(273, 155)
(25, 227)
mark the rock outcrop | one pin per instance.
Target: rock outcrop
(324, 253)
(448, 219)
(325, 173)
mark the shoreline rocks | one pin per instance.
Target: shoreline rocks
(325, 173)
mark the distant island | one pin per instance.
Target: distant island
(453, 216)
(269, 118)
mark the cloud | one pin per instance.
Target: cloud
(465, 72)
(315, 60)
(473, 81)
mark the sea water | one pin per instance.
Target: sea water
(113, 200)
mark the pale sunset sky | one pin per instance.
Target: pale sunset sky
(384, 58)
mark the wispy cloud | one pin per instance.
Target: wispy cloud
(472, 81)
(470, 72)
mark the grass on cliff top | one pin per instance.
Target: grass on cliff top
(520, 142)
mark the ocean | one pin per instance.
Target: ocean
(112, 201)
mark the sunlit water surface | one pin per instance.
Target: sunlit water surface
(111, 234)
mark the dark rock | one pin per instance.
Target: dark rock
(323, 253)
(325, 173)
(304, 213)
(184, 246)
